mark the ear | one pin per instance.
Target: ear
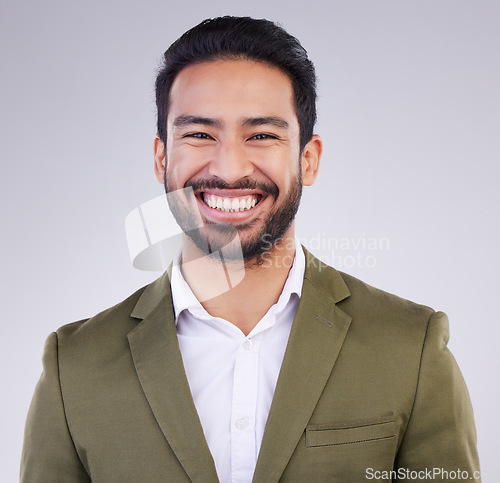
(160, 160)
(311, 157)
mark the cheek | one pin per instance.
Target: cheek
(183, 163)
(284, 173)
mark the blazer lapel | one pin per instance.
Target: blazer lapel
(317, 335)
(159, 366)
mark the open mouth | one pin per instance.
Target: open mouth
(231, 204)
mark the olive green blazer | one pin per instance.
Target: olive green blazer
(367, 384)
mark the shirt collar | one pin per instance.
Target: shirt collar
(184, 299)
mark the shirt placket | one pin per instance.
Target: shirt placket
(243, 411)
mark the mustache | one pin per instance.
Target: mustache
(243, 184)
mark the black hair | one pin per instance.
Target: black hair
(241, 38)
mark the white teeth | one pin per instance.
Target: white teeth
(229, 204)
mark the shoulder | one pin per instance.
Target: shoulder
(355, 295)
(382, 312)
(97, 341)
(115, 318)
(377, 301)
(120, 318)
(374, 313)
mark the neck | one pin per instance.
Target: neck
(239, 292)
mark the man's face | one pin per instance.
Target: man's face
(233, 136)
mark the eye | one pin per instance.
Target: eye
(263, 136)
(198, 135)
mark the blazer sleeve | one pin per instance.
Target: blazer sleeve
(49, 454)
(441, 434)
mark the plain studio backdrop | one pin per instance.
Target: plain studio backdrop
(407, 196)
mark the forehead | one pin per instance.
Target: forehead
(231, 89)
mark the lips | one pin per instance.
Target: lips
(231, 204)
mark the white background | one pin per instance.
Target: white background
(409, 111)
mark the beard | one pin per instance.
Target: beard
(236, 241)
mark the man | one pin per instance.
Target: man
(295, 373)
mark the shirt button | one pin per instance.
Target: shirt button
(241, 423)
(247, 345)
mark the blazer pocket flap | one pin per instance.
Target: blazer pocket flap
(348, 433)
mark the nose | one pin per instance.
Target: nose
(230, 162)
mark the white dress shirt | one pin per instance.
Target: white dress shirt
(232, 377)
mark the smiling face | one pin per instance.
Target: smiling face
(233, 137)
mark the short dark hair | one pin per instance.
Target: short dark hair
(241, 38)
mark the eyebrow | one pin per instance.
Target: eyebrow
(261, 121)
(188, 119)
